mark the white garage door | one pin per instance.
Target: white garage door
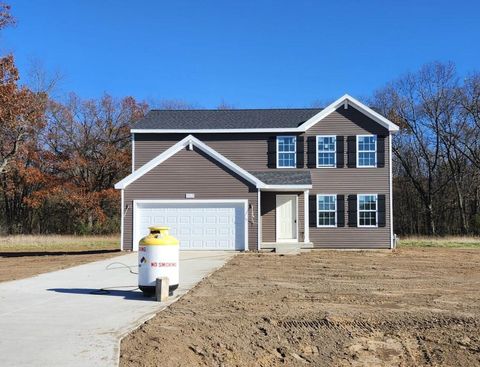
(198, 225)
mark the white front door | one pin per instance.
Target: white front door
(286, 218)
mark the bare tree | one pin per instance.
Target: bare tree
(172, 104)
(223, 105)
(468, 129)
(6, 17)
(40, 80)
(321, 103)
(420, 103)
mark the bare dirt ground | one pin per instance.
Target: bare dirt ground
(13, 266)
(413, 307)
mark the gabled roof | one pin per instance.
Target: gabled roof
(346, 101)
(190, 140)
(256, 120)
(226, 119)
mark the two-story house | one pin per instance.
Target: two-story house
(250, 179)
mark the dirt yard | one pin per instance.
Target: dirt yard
(18, 267)
(414, 307)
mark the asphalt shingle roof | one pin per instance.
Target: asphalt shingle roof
(225, 119)
(275, 177)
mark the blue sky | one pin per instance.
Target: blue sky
(246, 53)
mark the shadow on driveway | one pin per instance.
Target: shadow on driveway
(131, 294)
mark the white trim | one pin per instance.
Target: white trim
(358, 210)
(357, 150)
(349, 100)
(354, 103)
(306, 219)
(326, 211)
(259, 221)
(199, 201)
(390, 189)
(334, 150)
(133, 153)
(187, 201)
(294, 152)
(286, 187)
(277, 217)
(190, 139)
(213, 131)
(122, 221)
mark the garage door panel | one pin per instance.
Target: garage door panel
(197, 220)
(207, 226)
(224, 232)
(184, 219)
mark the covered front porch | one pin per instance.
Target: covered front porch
(284, 210)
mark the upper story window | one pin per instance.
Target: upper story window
(327, 210)
(366, 150)
(367, 210)
(326, 149)
(286, 151)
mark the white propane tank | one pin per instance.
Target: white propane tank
(158, 256)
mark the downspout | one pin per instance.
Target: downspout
(392, 239)
(122, 210)
(133, 152)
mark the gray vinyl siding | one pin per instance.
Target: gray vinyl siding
(190, 172)
(301, 217)
(268, 203)
(249, 151)
(348, 181)
(267, 207)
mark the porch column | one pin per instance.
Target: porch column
(259, 221)
(306, 216)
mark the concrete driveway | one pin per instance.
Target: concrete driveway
(57, 319)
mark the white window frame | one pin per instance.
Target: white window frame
(334, 151)
(294, 151)
(358, 150)
(376, 211)
(327, 211)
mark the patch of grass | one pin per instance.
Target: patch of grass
(50, 243)
(441, 242)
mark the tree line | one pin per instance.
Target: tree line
(437, 151)
(59, 160)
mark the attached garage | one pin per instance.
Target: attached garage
(208, 201)
(198, 224)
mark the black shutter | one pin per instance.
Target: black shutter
(340, 152)
(381, 210)
(272, 152)
(380, 151)
(300, 152)
(352, 210)
(312, 210)
(311, 152)
(352, 151)
(340, 210)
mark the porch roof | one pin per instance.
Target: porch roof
(287, 177)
